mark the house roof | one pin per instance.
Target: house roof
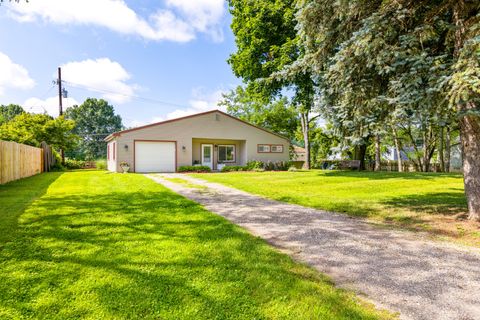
(119, 133)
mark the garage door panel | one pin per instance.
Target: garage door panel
(155, 156)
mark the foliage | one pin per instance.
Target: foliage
(8, 112)
(234, 168)
(278, 115)
(101, 164)
(93, 245)
(124, 164)
(72, 164)
(194, 169)
(266, 41)
(255, 164)
(32, 129)
(94, 120)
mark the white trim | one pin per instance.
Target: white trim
(209, 164)
(234, 153)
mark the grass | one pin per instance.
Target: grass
(186, 183)
(418, 201)
(95, 245)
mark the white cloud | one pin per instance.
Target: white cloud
(49, 105)
(180, 21)
(100, 75)
(201, 102)
(13, 75)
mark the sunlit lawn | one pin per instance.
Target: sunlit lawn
(94, 245)
(426, 201)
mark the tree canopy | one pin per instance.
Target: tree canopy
(8, 112)
(32, 129)
(267, 41)
(94, 120)
(278, 115)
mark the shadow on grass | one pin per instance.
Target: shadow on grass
(438, 203)
(16, 196)
(153, 254)
(389, 175)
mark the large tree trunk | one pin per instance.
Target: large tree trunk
(360, 152)
(306, 138)
(426, 149)
(397, 149)
(448, 148)
(469, 129)
(470, 137)
(378, 164)
(440, 149)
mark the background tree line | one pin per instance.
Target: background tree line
(80, 132)
(382, 73)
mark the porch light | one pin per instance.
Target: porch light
(126, 147)
(183, 148)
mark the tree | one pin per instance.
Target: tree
(278, 115)
(9, 112)
(94, 120)
(387, 61)
(267, 41)
(32, 129)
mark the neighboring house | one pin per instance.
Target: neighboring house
(210, 138)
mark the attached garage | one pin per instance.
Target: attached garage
(155, 156)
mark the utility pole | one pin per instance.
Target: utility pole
(60, 105)
(60, 100)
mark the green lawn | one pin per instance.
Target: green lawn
(95, 245)
(426, 201)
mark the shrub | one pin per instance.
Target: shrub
(234, 168)
(101, 164)
(269, 166)
(194, 169)
(72, 164)
(282, 165)
(255, 164)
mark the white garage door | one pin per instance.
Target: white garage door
(153, 156)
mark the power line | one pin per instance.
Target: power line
(81, 86)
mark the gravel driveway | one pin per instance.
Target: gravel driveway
(396, 270)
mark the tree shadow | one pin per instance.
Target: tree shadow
(16, 196)
(153, 254)
(383, 175)
(438, 203)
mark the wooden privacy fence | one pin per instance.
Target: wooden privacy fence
(19, 161)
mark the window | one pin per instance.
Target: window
(113, 156)
(108, 151)
(277, 148)
(263, 148)
(226, 153)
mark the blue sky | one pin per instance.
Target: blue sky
(152, 60)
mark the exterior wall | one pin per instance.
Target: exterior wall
(212, 126)
(112, 150)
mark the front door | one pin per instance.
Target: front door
(207, 155)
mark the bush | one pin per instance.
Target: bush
(255, 164)
(74, 164)
(101, 164)
(282, 165)
(194, 169)
(234, 168)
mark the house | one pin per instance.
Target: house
(211, 138)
